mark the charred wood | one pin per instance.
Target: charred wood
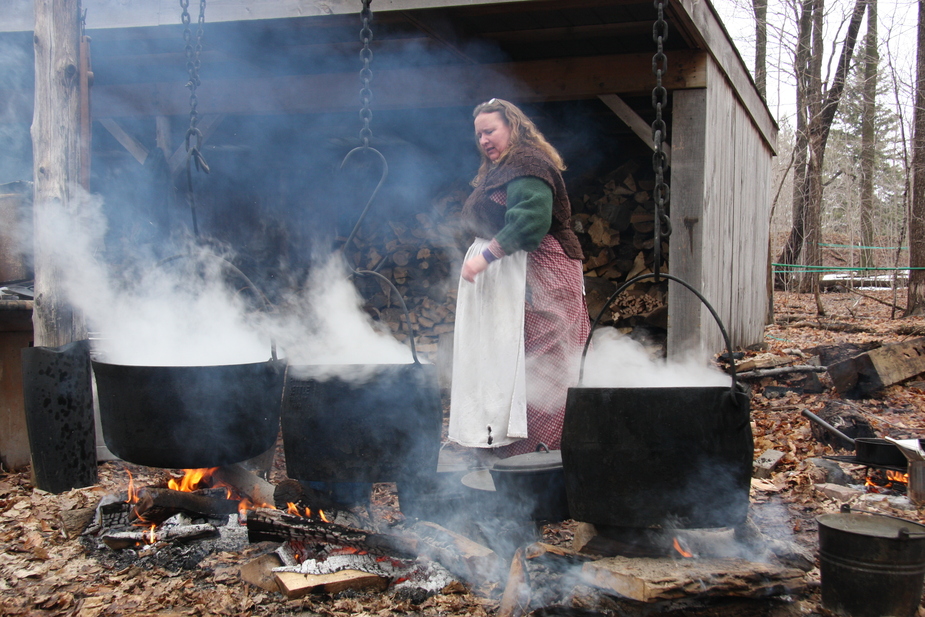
(117, 540)
(155, 505)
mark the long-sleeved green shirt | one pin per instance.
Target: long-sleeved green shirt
(528, 217)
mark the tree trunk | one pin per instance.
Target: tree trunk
(915, 303)
(56, 161)
(812, 209)
(868, 136)
(819, 109)
(761, 45)
(794, 245)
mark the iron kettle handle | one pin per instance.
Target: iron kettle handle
(733, 388)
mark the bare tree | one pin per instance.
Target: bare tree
(868, 145)
(915, 303)
(760, 8)
(816, 111)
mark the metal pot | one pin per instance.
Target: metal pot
(524, 487)
(868, 450)
(381, 427)
(532, 485)
(871, 564)
(879, 452)
(647, 457)
(189, 417)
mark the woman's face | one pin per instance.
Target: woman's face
(493, 134)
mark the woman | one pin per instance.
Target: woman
(521, 319)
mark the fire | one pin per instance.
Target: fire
(132, 495)
(291, 508)
(191, 480)
(890, 480)
(152, 536)
(680, 549)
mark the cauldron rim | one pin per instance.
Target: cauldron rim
(185, 366)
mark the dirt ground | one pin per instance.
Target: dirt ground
(44, 570)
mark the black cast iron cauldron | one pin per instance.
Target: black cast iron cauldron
(650, 457)
(374, 423)
(189, 417)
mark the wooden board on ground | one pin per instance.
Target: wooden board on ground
(469, 560)
(768, 360)
(866, 373)
(650, 580)
(296, 585)
(259, 571)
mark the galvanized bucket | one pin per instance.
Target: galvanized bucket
(871, 565)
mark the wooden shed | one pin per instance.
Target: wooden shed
(280, 85)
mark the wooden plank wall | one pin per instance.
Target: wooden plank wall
(720, 204)
(736, 210)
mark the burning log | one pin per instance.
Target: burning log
(156, 505)
(246, 483)
(117, 540)
(468, 560)
(276, 526)
(533, 581)
(516, 599)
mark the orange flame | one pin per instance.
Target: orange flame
(191, 480)
(151, 537)
(897, 476)
(323, 517)
(132, 495)
(681, 551)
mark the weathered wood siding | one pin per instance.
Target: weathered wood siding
(720, 206)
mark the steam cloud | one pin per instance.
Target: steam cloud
(617, 361)
(182, 312)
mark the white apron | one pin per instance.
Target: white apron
(488, 395)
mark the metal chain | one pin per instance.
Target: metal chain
(659, 133)
(366, 74)
(193, 64)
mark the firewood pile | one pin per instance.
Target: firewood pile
(614, 220)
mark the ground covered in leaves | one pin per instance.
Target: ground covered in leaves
(46, 570)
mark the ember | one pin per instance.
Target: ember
(887, 481)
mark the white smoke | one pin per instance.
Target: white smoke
(325, 325)
(617, 361)
(182, 311)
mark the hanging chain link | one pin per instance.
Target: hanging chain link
(193, 64)
(659, 133)
(366, 74)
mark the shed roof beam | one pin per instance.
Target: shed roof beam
(437, 86)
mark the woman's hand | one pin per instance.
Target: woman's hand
(473, 266)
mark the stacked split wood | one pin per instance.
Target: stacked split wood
(614, 220)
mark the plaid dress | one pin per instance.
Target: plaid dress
(556, 326)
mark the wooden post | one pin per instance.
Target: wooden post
(56, 160)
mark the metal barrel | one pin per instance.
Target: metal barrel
(871, 565)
